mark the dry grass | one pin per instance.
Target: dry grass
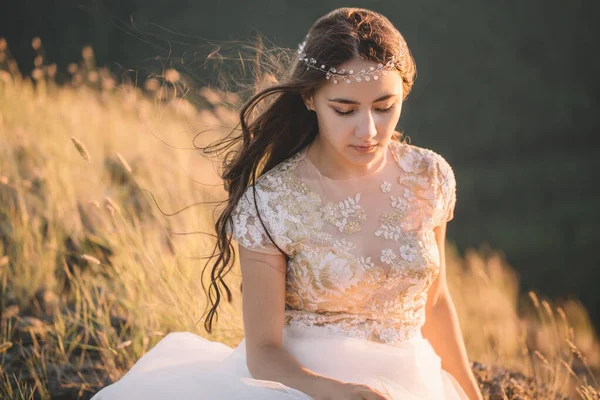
(553, 346)
(90, 277)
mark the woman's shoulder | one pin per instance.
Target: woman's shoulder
(268, 190)
(416, 158)
(278, 177)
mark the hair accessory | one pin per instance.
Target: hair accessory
(341, 74)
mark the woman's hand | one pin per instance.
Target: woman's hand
(350, 391)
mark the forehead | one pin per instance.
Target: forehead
(364, 91)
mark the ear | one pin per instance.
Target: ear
(308, 100)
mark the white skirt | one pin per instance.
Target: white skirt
(186, 366)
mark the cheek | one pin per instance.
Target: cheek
(336, 125)
(388, 120)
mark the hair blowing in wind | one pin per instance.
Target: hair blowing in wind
(275, 123)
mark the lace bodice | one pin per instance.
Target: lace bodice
(362, 251)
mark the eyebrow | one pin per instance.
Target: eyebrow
(347, 101)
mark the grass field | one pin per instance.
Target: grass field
(92, 275)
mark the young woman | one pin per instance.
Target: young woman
(341, 229)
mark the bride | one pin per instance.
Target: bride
(341, 227)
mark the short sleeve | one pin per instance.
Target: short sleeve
(247, 229)
(446, 183)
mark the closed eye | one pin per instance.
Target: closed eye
(385, 109)
(381, 110)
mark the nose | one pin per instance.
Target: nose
(366, 127)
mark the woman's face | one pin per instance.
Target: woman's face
(357, 114)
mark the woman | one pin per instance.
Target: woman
(341, 231)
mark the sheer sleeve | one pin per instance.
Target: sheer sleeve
(247, 229)
(446, 183)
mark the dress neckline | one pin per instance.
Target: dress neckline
(388, 155)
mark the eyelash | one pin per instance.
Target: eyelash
(384, 110)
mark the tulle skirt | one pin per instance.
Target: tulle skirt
(186, 366)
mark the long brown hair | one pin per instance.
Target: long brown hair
(275, 123)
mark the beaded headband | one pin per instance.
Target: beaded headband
(341, 74)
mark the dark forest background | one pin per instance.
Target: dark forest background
(508, 92)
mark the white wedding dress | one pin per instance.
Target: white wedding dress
(362, 254)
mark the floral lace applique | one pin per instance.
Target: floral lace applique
(388, 256)
(336, 272)
(324, 239)
(366, 263)
(390, 330)
(347, 215)
(390, 228)
(386, 187)
(344, 245)
(408, 251)
(321, 238)
(390, 221)
(399, 203)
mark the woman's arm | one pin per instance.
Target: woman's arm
(442, 327)
(263, 305)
